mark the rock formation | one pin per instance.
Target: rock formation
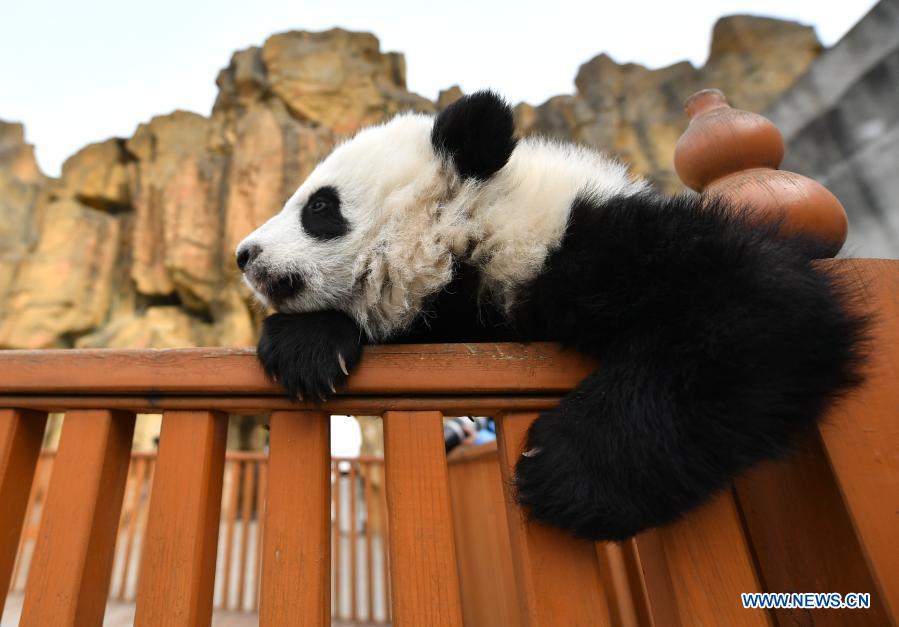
(133, 244)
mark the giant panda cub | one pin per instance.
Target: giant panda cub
(718, 341)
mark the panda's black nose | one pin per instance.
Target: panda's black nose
(247, 254)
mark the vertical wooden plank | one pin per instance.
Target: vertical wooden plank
(246, 510)
(68, 580)
(338, 541)
(177, 570)
(142, 518)
(425, 580)
(369, 525)
(558, 576)
(658, 586)
(637, 583)
(708, 564)
(385, 554)
(335, 539)
(487, 578)
(38, 489)
(803, 538)
(623, 583)
(136, 492)
(231, 488)
(127, 506)
(260, 516)
(21, 433)
(861, 435)
(295, 560)
(353, 538)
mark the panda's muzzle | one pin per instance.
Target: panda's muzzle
(276, 288)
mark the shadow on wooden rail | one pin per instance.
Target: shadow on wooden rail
(824, 520)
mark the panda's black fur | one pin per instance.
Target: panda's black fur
(718, 340)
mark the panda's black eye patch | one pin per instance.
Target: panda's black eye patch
(321, 217)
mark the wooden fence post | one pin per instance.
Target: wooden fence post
(177, 572)
(21, 433)
(296, 577)
(68, 580)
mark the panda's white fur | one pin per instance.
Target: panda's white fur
(410, 214)
(719, 340)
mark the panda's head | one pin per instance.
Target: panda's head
(373, 229)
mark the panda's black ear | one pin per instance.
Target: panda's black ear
(475, 132)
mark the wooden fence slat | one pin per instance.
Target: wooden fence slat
(246, 512)
(295, 560)
(425, 580)
(231, 488)
(385, 553)
(489, 589)
(558, 576)
(177, 572)
(21, 433)
(369, 526)
(142, 519)
(353, 557)
(659, 588)
(803, 539)
(338, 540)
(696, 568)
(861, 435)
(69, 575)
(38, 489)
(261, 501)
(624, 584)
(133, 490)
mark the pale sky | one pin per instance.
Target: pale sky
(82, 71)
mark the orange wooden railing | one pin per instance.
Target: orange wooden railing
(358, 549)
(824, 520)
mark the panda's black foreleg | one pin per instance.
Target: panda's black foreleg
(309, 354)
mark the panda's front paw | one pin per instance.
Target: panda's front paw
(309, 354)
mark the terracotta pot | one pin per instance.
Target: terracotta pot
(804, 205)
(734, 154)
(721, 140)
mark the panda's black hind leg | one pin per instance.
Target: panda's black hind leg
(309, 354)
(608, 463)
(719, 344)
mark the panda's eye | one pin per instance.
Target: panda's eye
(319, 205)
(321, 217)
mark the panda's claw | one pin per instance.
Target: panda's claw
(342, 363)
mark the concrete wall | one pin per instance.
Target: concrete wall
(841, 124)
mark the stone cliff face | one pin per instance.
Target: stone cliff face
(133, 244)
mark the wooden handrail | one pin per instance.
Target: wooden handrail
(424, 369)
